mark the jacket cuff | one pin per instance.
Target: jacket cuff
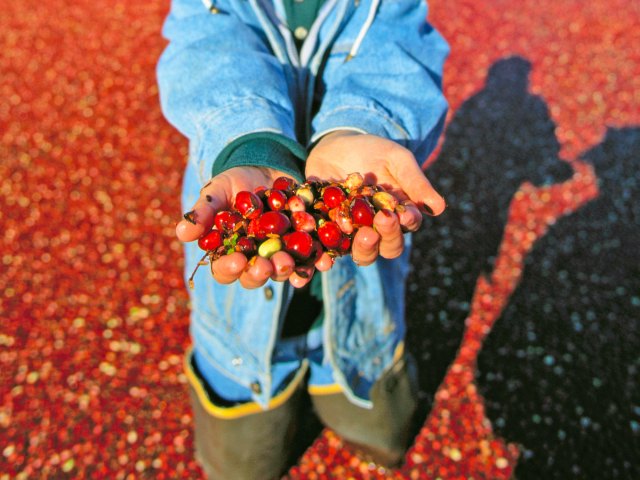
(263, 149)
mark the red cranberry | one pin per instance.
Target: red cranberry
(252, 228)
(248, 204)
(246, 245)
(299, 245)
(272, 223)
(211, 240)
(330, 235)
(303, 221)
(333, 196)
(317, 251)
(296, 204)
(276, 199)
(345, 245)
(320, 206)
(362, 212)
(226, 221)
(285, 184)
(342, 217)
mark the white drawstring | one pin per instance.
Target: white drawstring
(211, 6)
(363, 31)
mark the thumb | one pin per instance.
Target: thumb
(198, 220)
(418, 188)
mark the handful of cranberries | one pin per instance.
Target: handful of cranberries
(303, 220)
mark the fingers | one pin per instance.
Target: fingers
(199, 219)
(324, 263)
(409, 216)
(283, 266)
(412, 181)
(228, 268)
(364, 249)
(301, 276)
(388, 227)
(256, 273)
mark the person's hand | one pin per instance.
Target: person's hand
(219, 194)
(384, 162)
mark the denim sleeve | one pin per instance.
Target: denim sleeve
(219, 79)
(392, 85)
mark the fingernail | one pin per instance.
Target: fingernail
(302, 273)
(387, 213)
(424, 208)
(190, 216)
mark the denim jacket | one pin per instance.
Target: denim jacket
(231, 68)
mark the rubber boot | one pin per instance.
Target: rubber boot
(243, 442)
(381, 434)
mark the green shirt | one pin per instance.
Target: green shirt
(300, 17)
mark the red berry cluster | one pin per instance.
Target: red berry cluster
(303, 220)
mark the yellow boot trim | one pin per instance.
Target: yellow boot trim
(330, 389)
(334, 388)
(243, 409)
(399, 353)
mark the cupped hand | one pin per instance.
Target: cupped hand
(383, 162)
(219, 194)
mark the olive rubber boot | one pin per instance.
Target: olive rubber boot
(243, 442)
(381, 434)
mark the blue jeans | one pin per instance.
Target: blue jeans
(288, 357)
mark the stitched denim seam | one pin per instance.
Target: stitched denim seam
(374, 111)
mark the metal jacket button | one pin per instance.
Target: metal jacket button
(268, 293)
(300, 33)
(256, 388)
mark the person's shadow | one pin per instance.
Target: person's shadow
(560, 370)
(498, 139)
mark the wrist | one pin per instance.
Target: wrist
(334, 134)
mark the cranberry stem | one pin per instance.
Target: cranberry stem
(201, 262)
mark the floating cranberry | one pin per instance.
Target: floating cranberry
(248, 204)
(333, 196)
